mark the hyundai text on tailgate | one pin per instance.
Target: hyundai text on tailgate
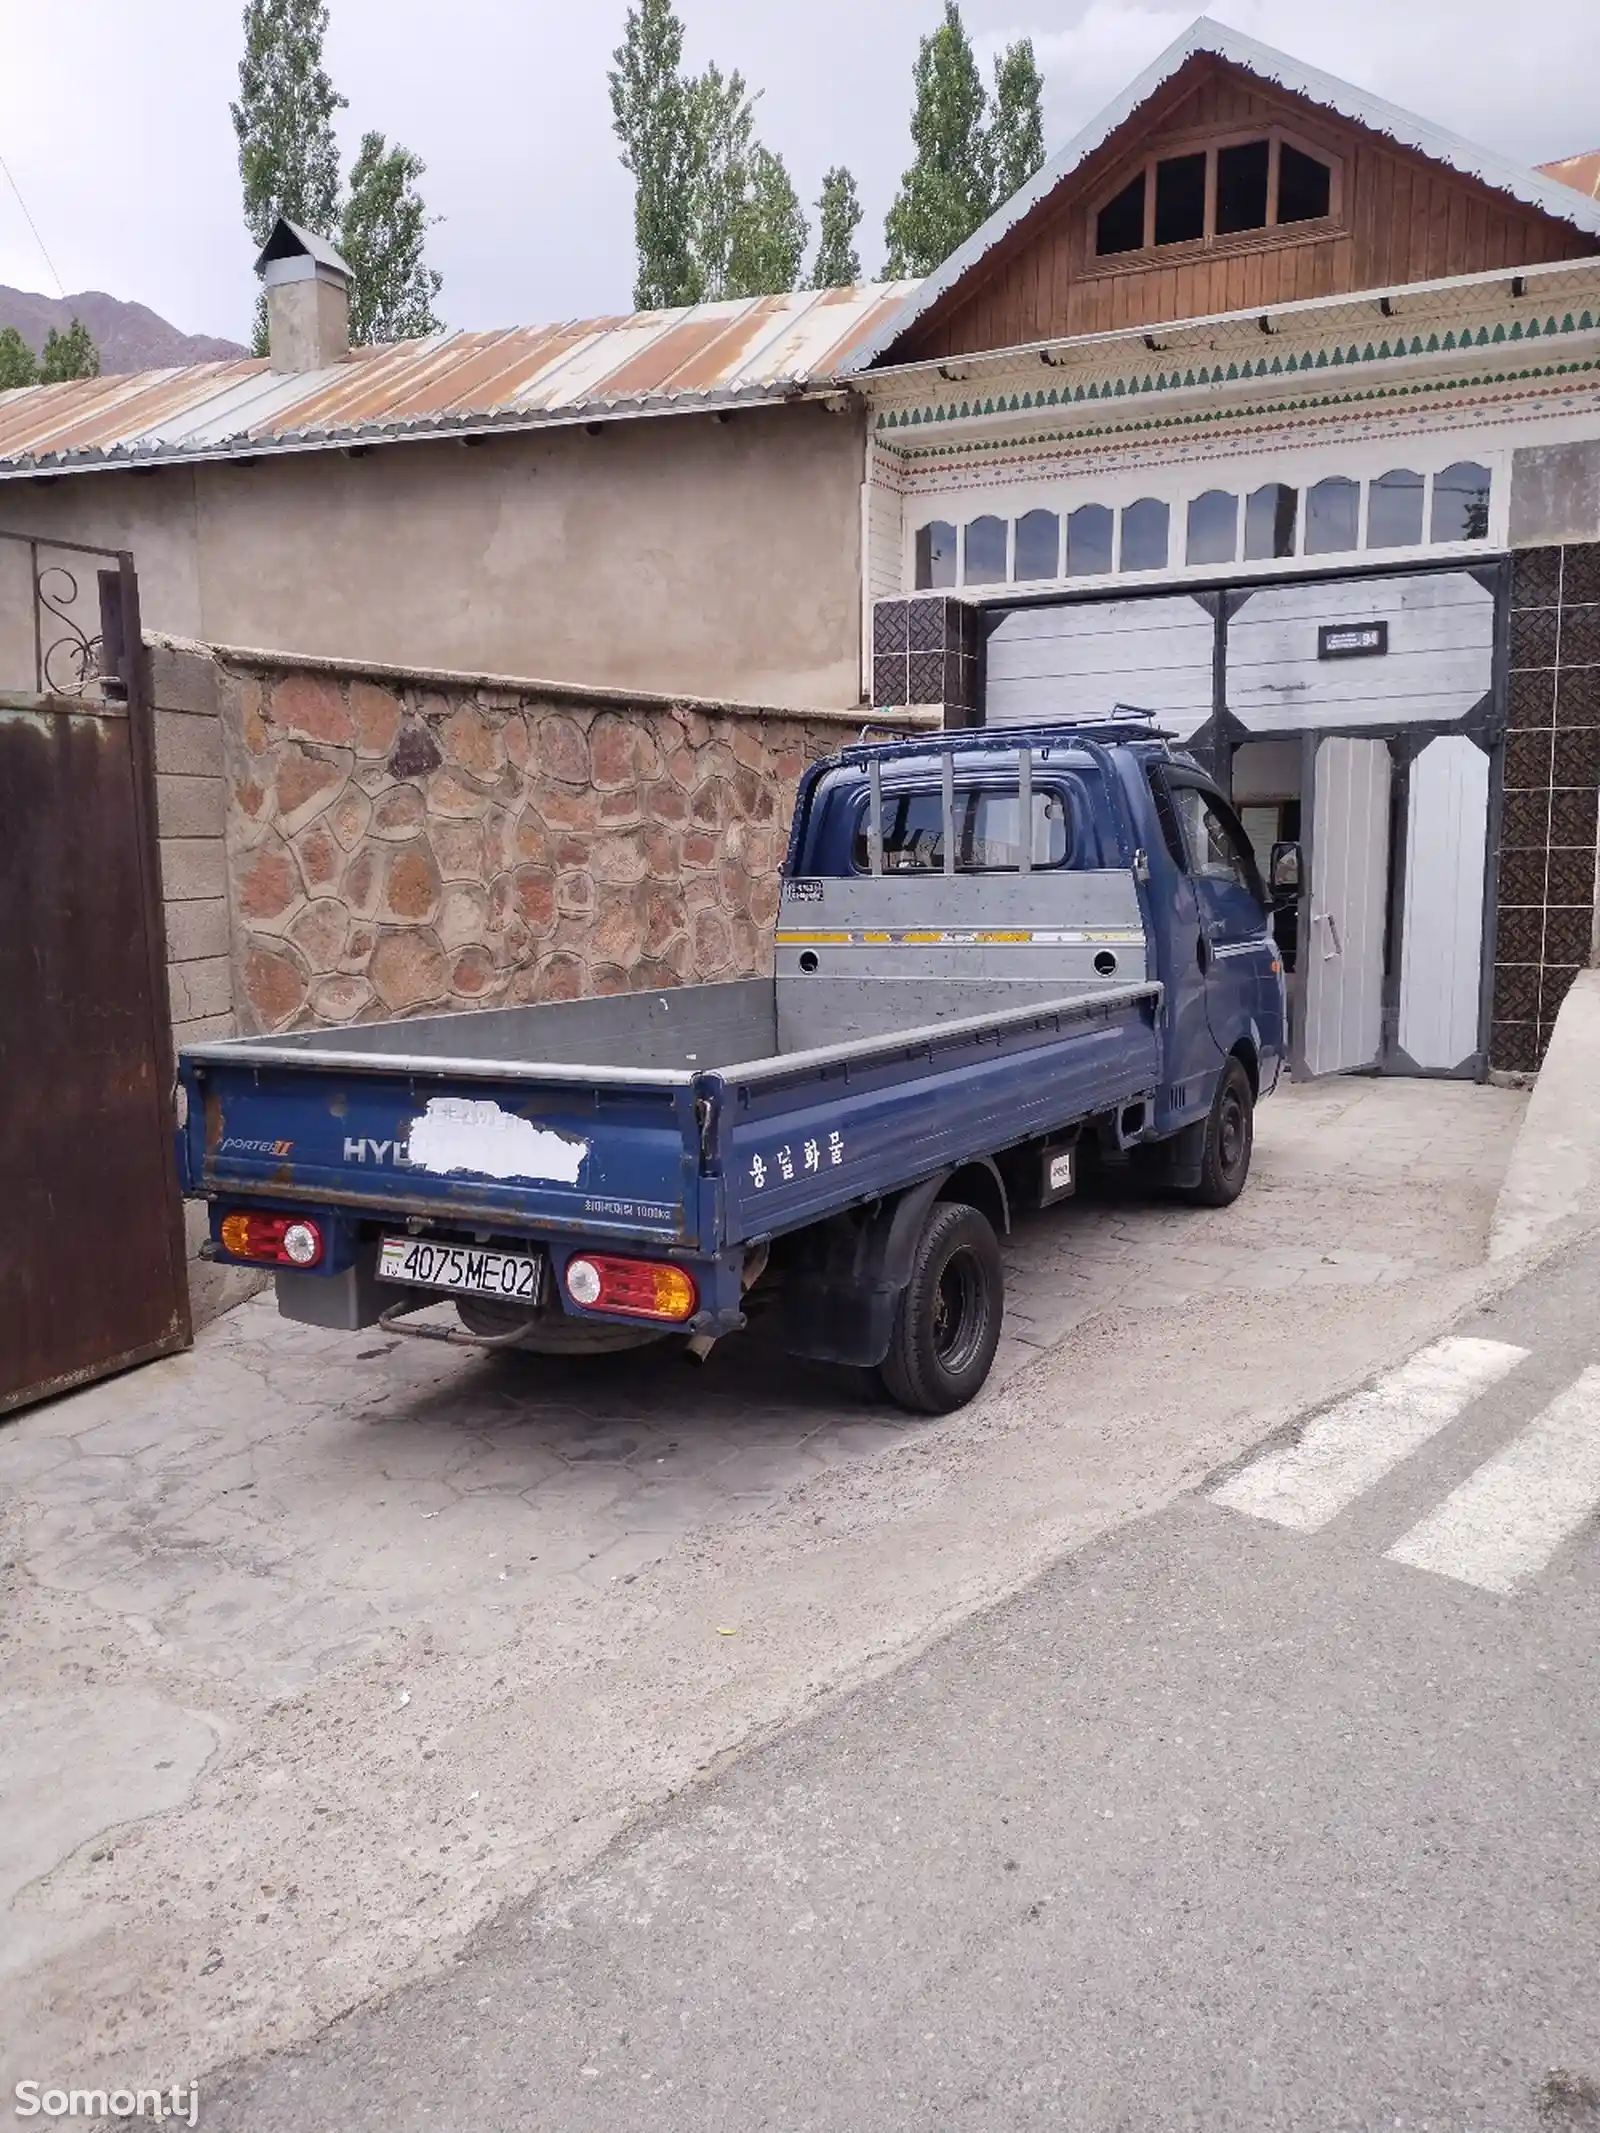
(1000, 957)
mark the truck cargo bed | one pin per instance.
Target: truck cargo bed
(672, 1116)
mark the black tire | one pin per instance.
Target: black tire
(947, 1323)
(1230, 1137)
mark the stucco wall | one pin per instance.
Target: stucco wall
(678, 554)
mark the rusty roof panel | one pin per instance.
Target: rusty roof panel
(703, 356)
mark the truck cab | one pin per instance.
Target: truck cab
(1076, 856)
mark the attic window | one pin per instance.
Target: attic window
(1119, 226)
(1242, 173)
(1180, 199)
(1305, 186)
(1226, 189)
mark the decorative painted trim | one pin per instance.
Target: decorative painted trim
(1193, 377)
(1199, 418)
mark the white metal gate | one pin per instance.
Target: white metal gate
(1342, 954)
(1441, 957)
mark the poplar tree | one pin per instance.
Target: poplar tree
(837, 262)
(769, 231)
(972, 152)
(288, 158)
(949, 186)
(385, 224)
(715, 213)
(651, 118)
(1016, 130)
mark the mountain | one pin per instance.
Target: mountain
(128, 336)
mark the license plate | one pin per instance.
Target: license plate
(514, 1277)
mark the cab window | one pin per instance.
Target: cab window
(1217, 847)
(987, 826)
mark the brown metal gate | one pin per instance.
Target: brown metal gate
(91, 1225)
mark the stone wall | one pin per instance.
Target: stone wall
(406, 843)
(191, 826)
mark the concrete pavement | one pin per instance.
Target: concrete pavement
(1234, 1820)
(320, 1650)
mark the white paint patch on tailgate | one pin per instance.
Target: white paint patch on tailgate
(473, 1133)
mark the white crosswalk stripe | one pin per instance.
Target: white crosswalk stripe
(1341, 1454)
(1507, 1519)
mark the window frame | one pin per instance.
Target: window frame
(1178, 777)
(1212, 242)
(974, 788)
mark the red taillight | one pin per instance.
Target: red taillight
(637, 1288)
(275, 1240)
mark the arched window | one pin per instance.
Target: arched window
(1394, 509)
(1145, 534)
(1269, 521)
(1038, 546)
(1089, 541)
(1333, 508)
(1461, 503)
(1213, 535)
(983, 551)
(936, 555)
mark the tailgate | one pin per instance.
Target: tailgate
(515, 1152)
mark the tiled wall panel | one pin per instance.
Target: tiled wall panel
(1545, 928)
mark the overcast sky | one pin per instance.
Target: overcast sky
(114, 118)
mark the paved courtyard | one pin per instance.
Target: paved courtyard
(260, 1597)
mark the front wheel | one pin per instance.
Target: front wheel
(1230, 1137)
(947, 1324)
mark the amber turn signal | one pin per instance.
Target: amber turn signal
(271, 1240)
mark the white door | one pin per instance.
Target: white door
(1342, 954)
(1441, 939)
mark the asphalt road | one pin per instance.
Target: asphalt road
(1233, 1820)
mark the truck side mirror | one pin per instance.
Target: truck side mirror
(1283, 873)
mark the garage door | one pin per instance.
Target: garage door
(1360, 652)
(1082, 659)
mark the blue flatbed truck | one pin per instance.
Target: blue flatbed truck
(1000, 956)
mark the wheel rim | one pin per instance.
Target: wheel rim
(960, 1311)
(1233, 1136)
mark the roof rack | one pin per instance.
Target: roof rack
(1124, 722)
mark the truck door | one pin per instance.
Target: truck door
(1236, 950)
(1341, 953)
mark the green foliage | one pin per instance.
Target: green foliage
(68, 355)
(17, 363)
(651, 118)
(721, 121)
(714, 212)
(948, 188)
(288, 158)
(838, 218)
(392, 288)
(1016, 131)
(289, 165)
(769, 231)
(971, 153)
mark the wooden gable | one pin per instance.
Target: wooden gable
(1395, 216)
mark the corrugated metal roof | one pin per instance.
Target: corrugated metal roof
(451, 384)
(1534, 188)
(1582, 173)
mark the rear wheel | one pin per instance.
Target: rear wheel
(1230, 1137)
(947, 1324)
